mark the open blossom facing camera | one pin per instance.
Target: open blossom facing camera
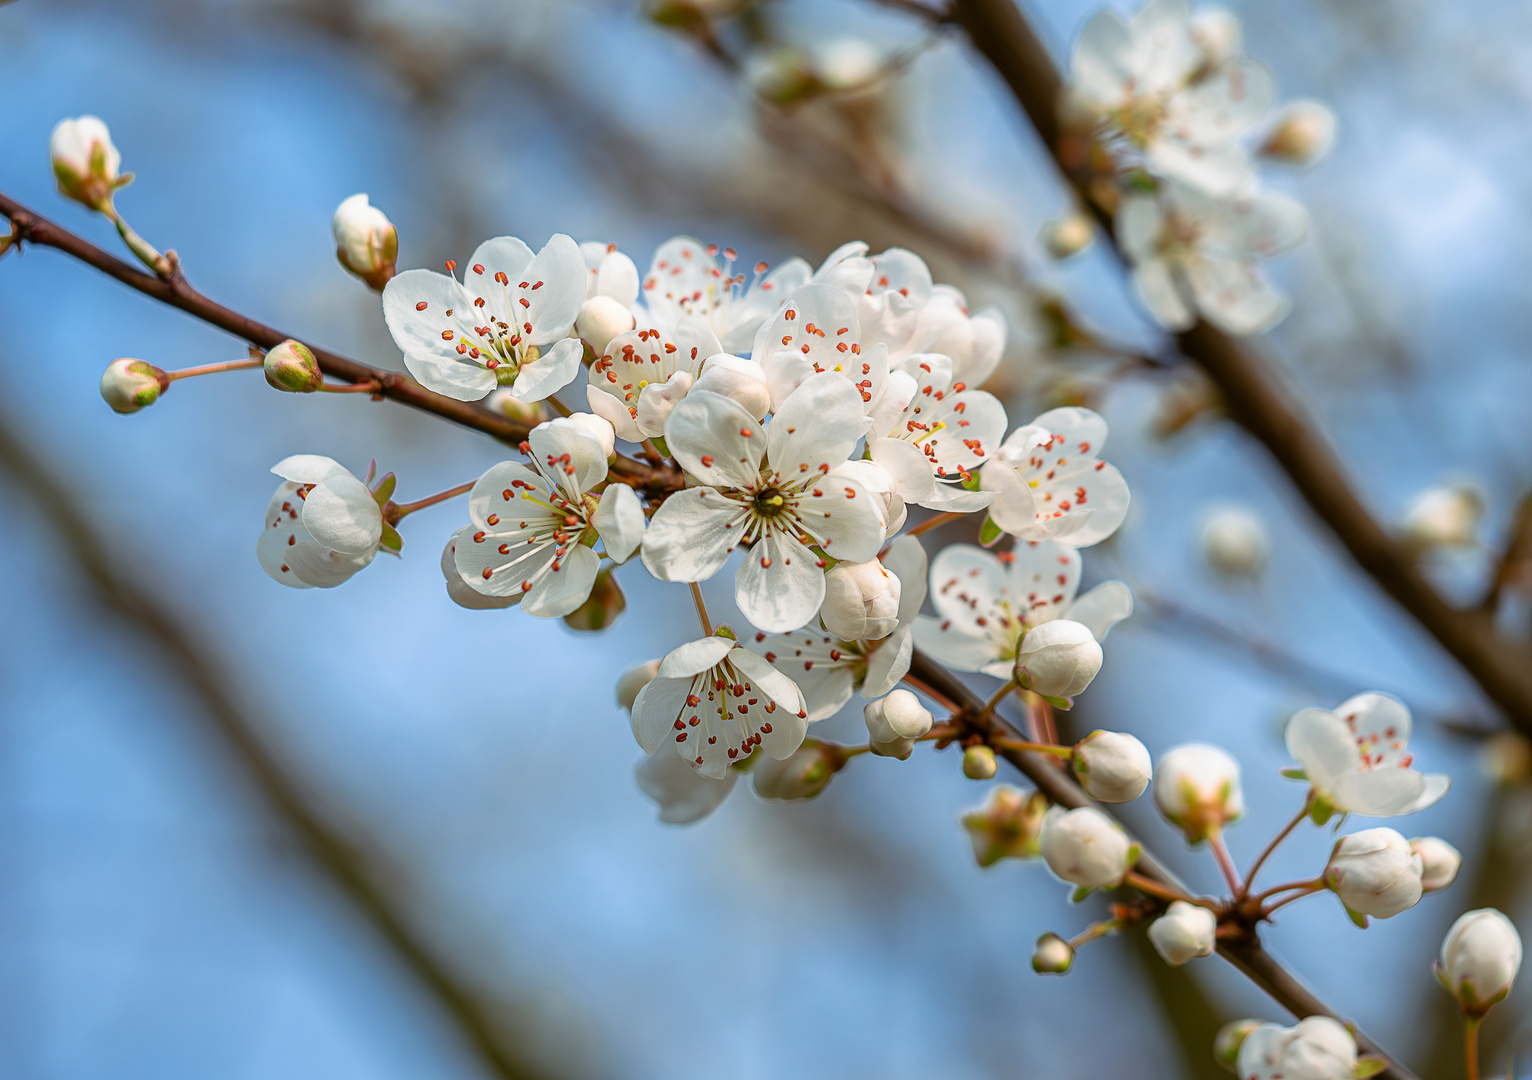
(771, 489)
(534, 529)
(688, 278)
(1357, 759)
(817, 331)
(506, 323)
(1050, 482)
(716, 701)
(322, 524)
(1317, 1048)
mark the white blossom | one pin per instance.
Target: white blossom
(1184, 932)
(1481, 956)
(715, 701)
(1086, 848)
(974, 342)
(465, 595)
(1050, 483)
(644, 374)
(322, 524)
(770, 489)
(1446, 516)
(506, 323)
(1439, 862)
(1112, 766)
(366, 242)
(803, 774)
(847, 63)
(1374, 872)
(1008, 826)
(687, 278)
(1234, 542)
(1302, 133)
(814, 332)
(611, 291)
(633, 680)
(534, 529)
(1197, 788)
(1357, 759)
(739, 379)
(986, 603)
(1193, 253)
(1316, 1048)
(1218, 34)
(895, 722)
(86, 164)
(683, 794)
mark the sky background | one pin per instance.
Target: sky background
(155, 921)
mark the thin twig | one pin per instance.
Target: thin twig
(1260, 860)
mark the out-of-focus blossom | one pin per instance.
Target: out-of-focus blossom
(1197, 788)
(366, 242)
(1302, 134)
(1481, 956)
(1052, 955)
(801, 775)
(1086, 848)
(979, 763)
(1357, 759)
(86, 164)
(1439, 862)
(1234, 543)
(1068, 235)
(1008, 826)
(1316, 1048)
(1446, 516)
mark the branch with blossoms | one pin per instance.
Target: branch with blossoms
(794, 415)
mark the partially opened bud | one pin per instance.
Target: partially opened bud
(1315, 1048)
(1086, 848)
(129, 385)
(1053, 955)
(502, 401)
(1112, 766)
(1058, 659)
(633, 680)
(601, 429)
(1302, 134)
(85, 162)
(366, 242)
(1069, 235)
(1480, 958)
(1229, 1039)
(740, 380)
(1217, 33)
(656, 401)
(601, 319)
(1008, 826)
(894, 722)
(1184, 932)
(1197, 788)
(801, 775)
(601, 607)
(1234, 543)
(291, 366)
(979, 763)
(861, 601)
(1375, 873)
(1439, 862)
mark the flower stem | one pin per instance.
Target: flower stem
(366, 386)
(934, 522)
(1005, 742)
(403, 509)
(1164, 892)
(1307, 890)
(138, 245)
(1471, 1045)
(213, 369)
(989, 706)
(707, 627)
(1260, 860)
(652, 452)
(1225, 863)
(559, 406)
(1094, 931)
(1288, 887)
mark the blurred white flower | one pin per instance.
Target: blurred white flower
(1446, 516)
(803, 774)
(688, 278)
(1374, 872)
(1316, 1048)
(1086, 848)
(1218, 34)
(1008, 826)
(684, 794)
(979, 762)
(1234, 542)
(322, 524)
(847, 63)
(1357, 759)
(1197, 788)
(1302, 133)
(1050, 483)
(1068, 236)
(1052, 955)
(86, 164)
(366, 242)
(1439, 862)
(1183, 933)
(1481, 956)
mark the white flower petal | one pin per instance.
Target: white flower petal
(780, 586)
(323, 568)
(562, 584)
(568, 455)
(1319, 741)
(716, 440)
(889, 662)
(954, 499)
(692, 534)
(953, 645)
(617, 277)
(906, 560)
(1014, 508)
(907, 465)
(684, 795)
(283, 530)
(463, 594)
(455, 378)
(1378, 792)
(1235, 296)
(341, 514)
(1156, 287)
(1102, 608)
(620, 520)
(694, 657)
(657, 706)
(815, 428)
(610, 409)
(553, 305)
(555, 369)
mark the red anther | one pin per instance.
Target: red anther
(446, 335)
(421, 306)
(478, 268)
(488, 573)
(451, 265)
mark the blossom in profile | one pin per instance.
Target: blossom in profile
(1481, 956)
(1049, 481)
(1197, 788)
(1184, 932)
(322, 524)
(1357, 759)
(1086, 848)
(1234, 543)
(1375, 872)
(86, 163)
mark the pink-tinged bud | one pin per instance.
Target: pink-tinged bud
(129, 385)
(1112, 766)
(1086, 848)
(633, 680)
(1008, 826)
(366, 242)
(291, 366)
(1197, 788)
(502, 401)
(1058, 659)
(1053, 955)
(85, 162)
(861, 601)
(601, 607)
(1375, 873)
(1069, 235)
(979, 763)
(601, 319)
(1303, 133)
(801, 775)
(1184, 932)
(1481, 956)
(894, 723)
(1439, 861)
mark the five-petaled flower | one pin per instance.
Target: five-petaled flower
(1050, 482)
(1358, 761)
(687, 278)
(814, 332)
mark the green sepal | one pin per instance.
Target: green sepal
(659, 444)
(1370, 1065)
(385, 488)
(1356, 917)
(725, 630)
(391, 541)
(1135, 852)
(989, 532)
(970, 484)
(1080, 894)
(1322, 810)
(1292, 772)
(1063, 704)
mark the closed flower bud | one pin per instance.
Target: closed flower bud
(366, 242)
(502, 401)
(1303, 133)
(1053, 955)
(633, 680)
(1086, 848)
(85, 162)
(894, 722)
(847, 63)
(601, 607)
(1439, 862)
(291, 366)
(1480, 958)
(979, 763)
(1375, 873)
(801, 775)
(738, 379)
(600, 428)
(1197, 788)
(1112, 766)
(1184, 932)
(1317, 1048)
(1069, 235)
(1444, 517)
(1058, 659)
(1217, 33)
(601, 319)
(1234, 543)
(129, 385)
(1008, 826)
(1229, 1039)
(861, 601)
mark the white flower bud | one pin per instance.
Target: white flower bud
(366, 242)
(291, 366)
(979, 763)
(1229, 1039)
(601, 429)
(1302, 134)
(847, 63)
(633, 680)
(1053, 955)
(1112, 766)
(1374, 872)
(1217, 32)
(894, 722)
(1197, 788)
(502, 401)
(129, 385)
(656, 400)
(1439, 862)
(1008, 826)
(743, 381)
(801, 775)
(1086, 848)
(601, 319)
(1480, 958)
(861, 601)
(1444, 517)
(1069, 235)
(85, 162)
(1234, 543)
(1058, 659)
(1317, 1048)
(1184, 932)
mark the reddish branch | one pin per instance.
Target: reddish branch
(1254, 399)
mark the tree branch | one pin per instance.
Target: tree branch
(1255, 401)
